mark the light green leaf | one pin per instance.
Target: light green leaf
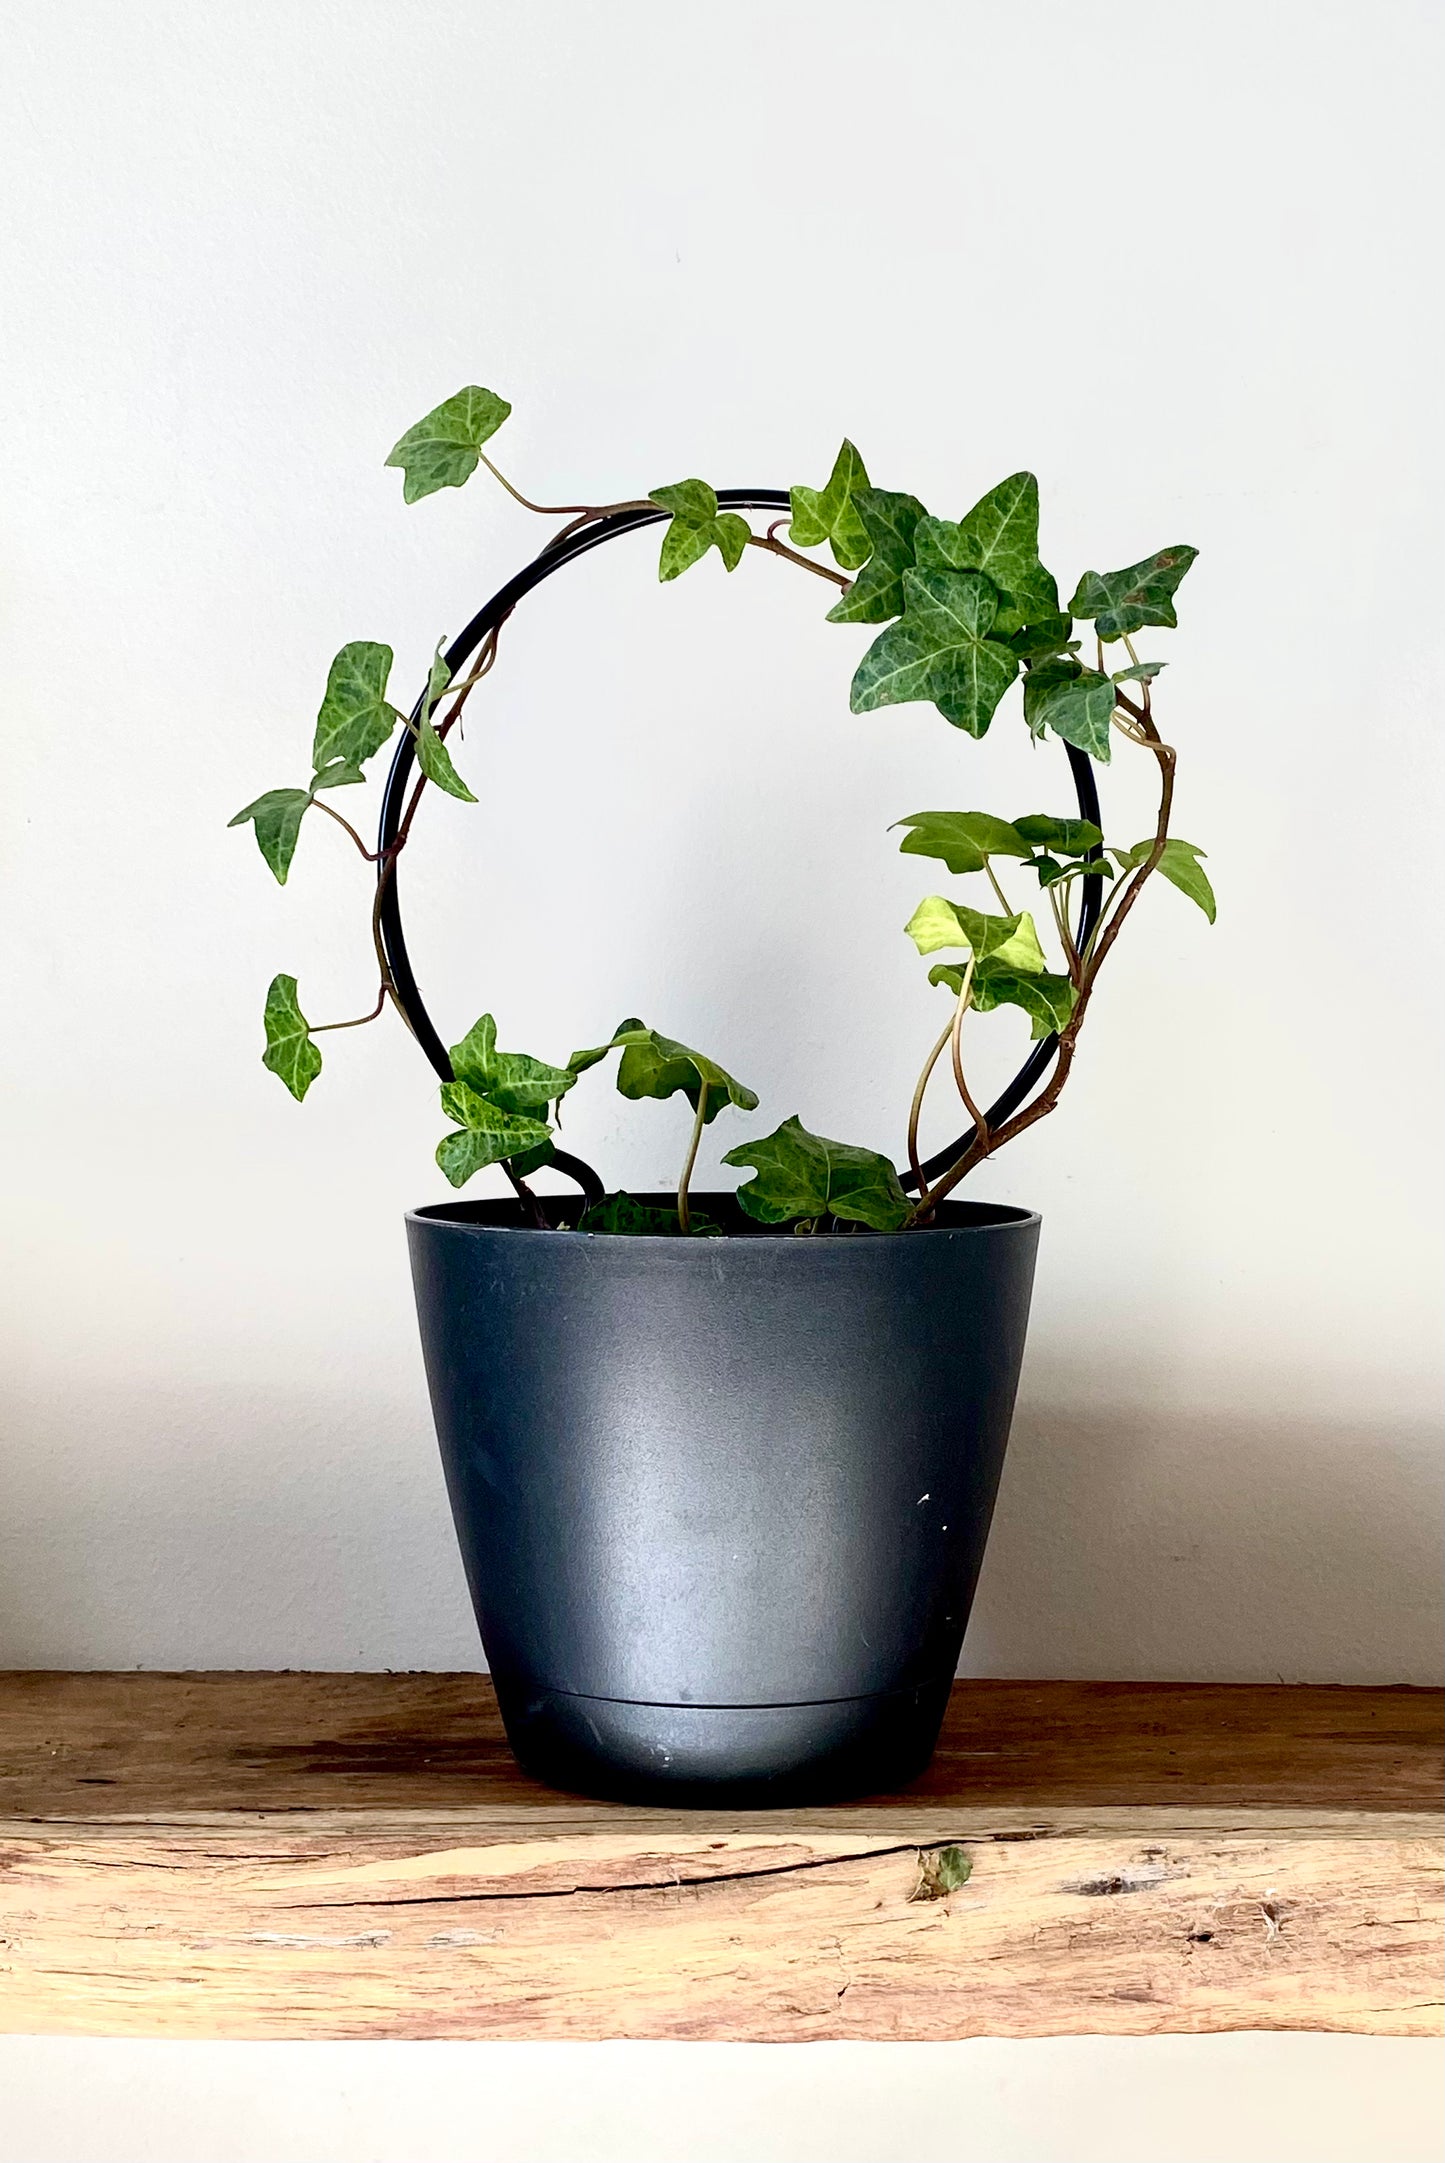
(438, 677)
(1065, 837)
(697, 525)
(830, 514)
(512, 1079)
(1000, 536)
(277, 818)
(890, 522)
(1012, 941)
(1077, 703)
(290, 1053)
(486, 1133)
(340, 774)
(441, 451)
(1120, 602)
(939, 651)
(1141, 672)
(435, 762)
(622, 1213)
(1179, 865)
(355, 718)
(653, 1065)
(964, 840)
(804, 1175)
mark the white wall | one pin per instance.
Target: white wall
(1178, 260)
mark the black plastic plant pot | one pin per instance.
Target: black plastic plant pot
(722, 1501)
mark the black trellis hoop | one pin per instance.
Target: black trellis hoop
(488, 618)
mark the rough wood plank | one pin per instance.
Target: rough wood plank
(356, 1856)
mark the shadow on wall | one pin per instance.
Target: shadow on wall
(216, 1528)
(1169, 1545)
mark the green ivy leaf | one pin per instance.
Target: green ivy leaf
(355, 719)
(277, 819)
(1141, 672)
(1000, 537)
(512, 1079)
(890, 522)
(532, 1160)
(1077, 703)
(941, 1874)
(442, 450)
(438, 677)
(939, 651)
(697, 525)
(964, 840)
(435, 761)
(1067, 837)
(339, 774)
(289, 1052)
(1120, 602)
(1012, 941)
(486, 1133)
(622, 1213)
(804, 1175)
(830, 514)
(1179, 865)
(1035, 641)
(1052, 873)
(1047, 999)
(653, 1065)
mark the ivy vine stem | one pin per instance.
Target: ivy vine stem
(684, 1218)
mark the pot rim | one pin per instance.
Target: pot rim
(956, 1219)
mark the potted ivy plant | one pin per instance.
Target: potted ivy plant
(722, 1465)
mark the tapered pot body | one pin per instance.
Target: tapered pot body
(722, 1502)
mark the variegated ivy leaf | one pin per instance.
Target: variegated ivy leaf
(435, 762)
(1000, 537)
(1141, 672)
(340, 774)
(437, 679)
(939, 651)
(830, 514)
(964, 840)
(1046, 998)
(277, 818)
(804, 1176)
(486, 1134)
(1179, 864)
(443, 449)
(1120, 602)
(355, 718)
(653, 1065)
(1034, 641)
(1011, 941)
(1077, 703)
(512, 1079)
(890, 522)
(290, 1053)
(696, 526)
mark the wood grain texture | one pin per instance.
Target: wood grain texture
(357, 1855)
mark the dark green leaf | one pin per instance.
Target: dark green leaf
(289, 1052)
(939, 651)
(1035, 641)
(941, 1872)
(277, 818)
(653, 1065)
(697, 525)
(512, 1079)
(1179, 865)
(1141, 672)
(1000, 536)
(1120, 602)
(486, 1133)
(803, 1175)
(964, 840)
(1012, 940)
(1047, 999)
(830, 514)
(441, 450)
(622, 1213)
(1076, 703)
(355, 719)
(1068, 837)
(435, 762)
(1052, 873)
(890, 522)
(532, 1160)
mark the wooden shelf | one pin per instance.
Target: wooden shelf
(302, 1855)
